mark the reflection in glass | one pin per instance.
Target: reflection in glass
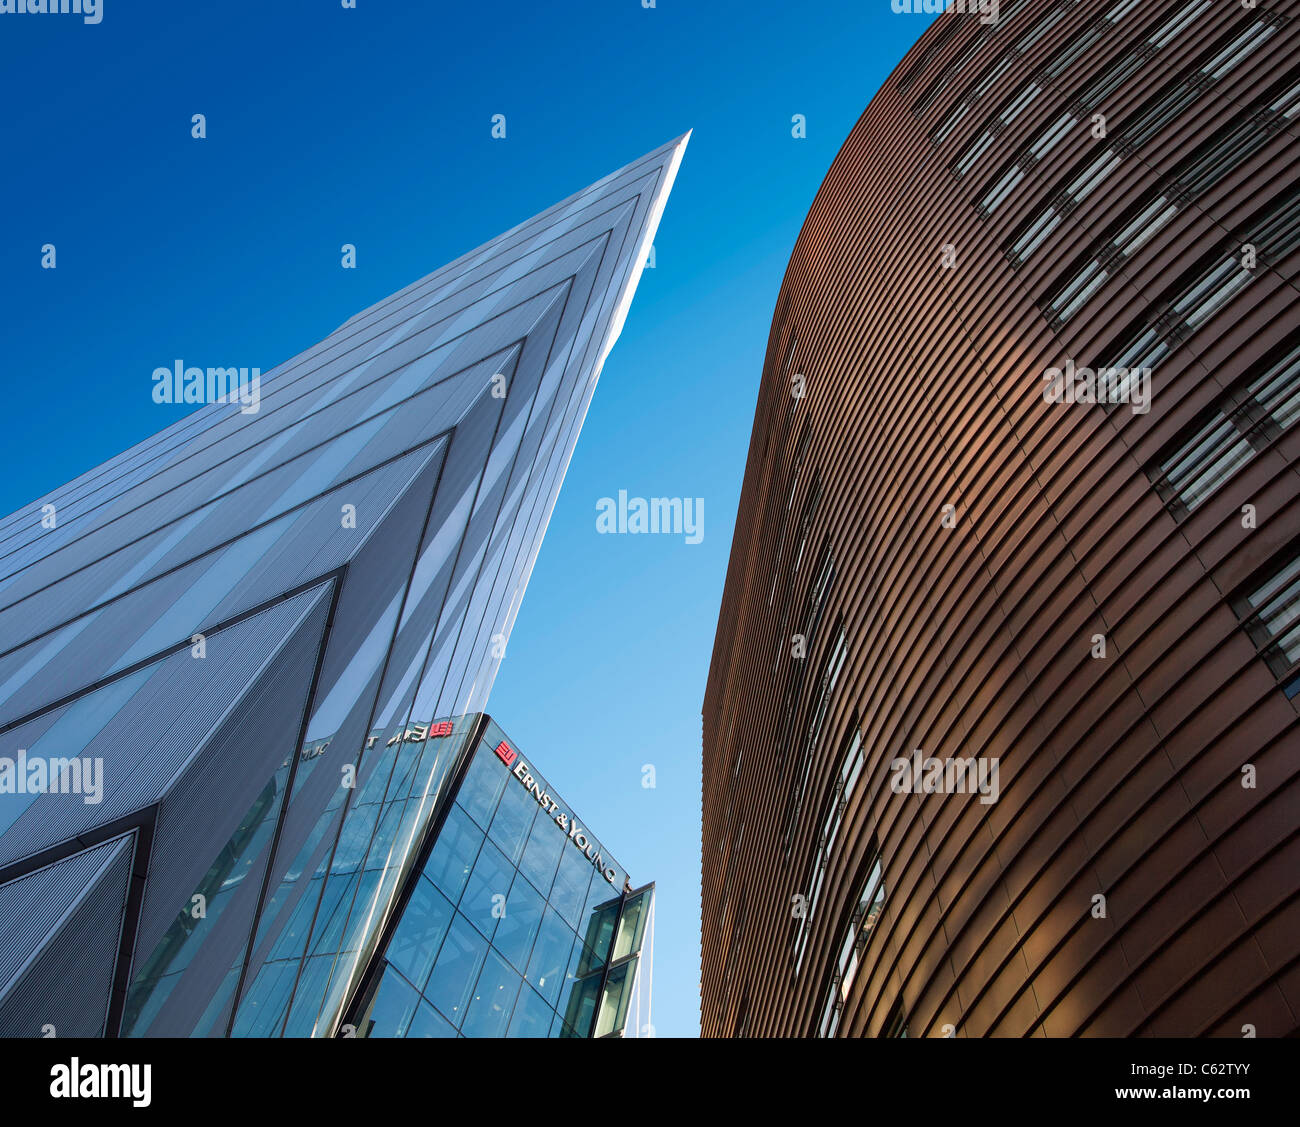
(533, 1017)
(488, 887)
(493, 1001)
(177, 949)
(571, 884)
(542, 854)
(613, 1004)
(456, 970)
(394, 1006)
(425, 922)
(453, 857)
(484, 782)
(517, 928)
(550, 956)
(428, 1022)
(514, 818)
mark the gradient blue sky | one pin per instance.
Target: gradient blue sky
(371, 126)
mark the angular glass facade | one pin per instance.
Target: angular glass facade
(214, 648)
(518, 923)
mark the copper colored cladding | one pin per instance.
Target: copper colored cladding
(1119, 776)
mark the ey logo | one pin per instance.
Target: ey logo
(506, 753)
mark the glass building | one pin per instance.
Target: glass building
(516, 921)
(214, 649)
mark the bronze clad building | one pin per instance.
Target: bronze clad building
(1001, 732)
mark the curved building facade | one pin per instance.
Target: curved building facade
(1000, 733)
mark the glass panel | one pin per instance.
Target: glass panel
(456, 970)
(393, 1007)
(533, 1016)
(494, 999)
(304, 1011)
(454, 854)
(489, 885)
(599, 932)
(582, 991)
(631, 925)
(424, 923)
(428, 1022)
(569, 894)
(542, 854)
(555, 941)
(514, 818)
(518, 927)
(261, 1013)
(482, 787)
(613, 1003)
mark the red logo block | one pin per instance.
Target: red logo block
(506, 753)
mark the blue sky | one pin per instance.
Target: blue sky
(372, 126)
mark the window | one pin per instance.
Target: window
(1212, 292)
(1157, 112)
(1079, 46)
(1270, 614)
(1001, 189)
(862, 926)
(991, 73)
(942, 131)
(1041, 28)
(982, 33)
(805, 440)
(951, 71)
(1030, 236)
(787, 369)
(1033, 235)
(817, 595)
(896, 1022)
(1170, 29)
(1211, 67)
(852, 762)
(1278, 235)
(830, 674)
(1134, 229)
(1274, 232)
(913, 72)
(1235, 143)
(1245, 420)
(1012, 109)
(1093, 174)
(805, 523)
(1237, 50)
(1077, 291)
(1043, 143)
(740, 1026)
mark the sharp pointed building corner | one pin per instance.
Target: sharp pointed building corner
(243, 664)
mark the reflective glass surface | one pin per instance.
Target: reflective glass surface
(510, 929)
